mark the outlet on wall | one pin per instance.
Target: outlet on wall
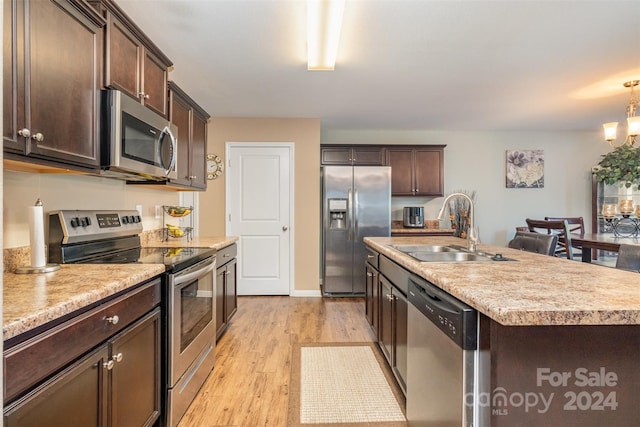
(158, 211)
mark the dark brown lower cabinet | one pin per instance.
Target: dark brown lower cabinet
(372, 292)
(118, 384)
(392, 333)
(226, 288)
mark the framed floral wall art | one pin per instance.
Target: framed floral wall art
(525, 168)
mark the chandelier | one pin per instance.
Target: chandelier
(633, 121)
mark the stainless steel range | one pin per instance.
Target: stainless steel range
(188, 300)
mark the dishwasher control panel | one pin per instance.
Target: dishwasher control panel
(453, 317)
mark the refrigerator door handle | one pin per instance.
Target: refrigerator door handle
(356, 209)
(350, 212)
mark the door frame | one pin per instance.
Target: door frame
(228, 146)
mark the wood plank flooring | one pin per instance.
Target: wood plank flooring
(249, 385)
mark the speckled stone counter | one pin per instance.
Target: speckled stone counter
(533, 290)
(31, 300)
(216, 242)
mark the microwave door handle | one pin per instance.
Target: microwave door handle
(172, 163)
(180, 279)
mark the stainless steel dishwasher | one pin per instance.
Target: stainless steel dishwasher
(442, 359)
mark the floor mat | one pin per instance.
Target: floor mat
(340, 384)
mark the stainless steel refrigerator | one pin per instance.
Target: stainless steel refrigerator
(356, 204)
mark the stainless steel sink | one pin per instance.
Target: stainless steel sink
(446, 253)
(449, 256)
(425, 248)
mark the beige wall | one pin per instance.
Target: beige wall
(22, 189)
(305, 134)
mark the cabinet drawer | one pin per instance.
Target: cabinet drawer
(372, 257)
(225, 255)
(397, 275)
(31, 361)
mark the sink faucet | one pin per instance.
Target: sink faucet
(472, 237)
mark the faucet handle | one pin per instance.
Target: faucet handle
(473, 238)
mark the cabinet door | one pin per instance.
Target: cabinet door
(13, 103)
(198, 151)
(400, 338)
(180, 115)
(55, 67)
(368, 292)
(368, 156)
(76, 397)
(402, 174)
(335, 156)
(135, 376)
(154, 83)
(428, 172)
(124, 56)
(231, 293)
(386, 319)
(221, 322)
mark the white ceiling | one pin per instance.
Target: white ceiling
(433, 65)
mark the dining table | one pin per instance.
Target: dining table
(600, 241)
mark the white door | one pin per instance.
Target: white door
(258, 205)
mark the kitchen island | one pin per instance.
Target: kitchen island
(560, 339)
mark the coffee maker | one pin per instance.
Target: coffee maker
(413, 217)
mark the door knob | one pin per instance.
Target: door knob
(285, 228)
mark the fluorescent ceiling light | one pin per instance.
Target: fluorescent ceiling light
(324, 20)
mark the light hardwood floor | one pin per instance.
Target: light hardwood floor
(249, 385)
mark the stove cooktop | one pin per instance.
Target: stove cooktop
(172, 258)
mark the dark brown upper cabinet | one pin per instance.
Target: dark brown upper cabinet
(359, 155)
(52, 59)
(416, 170)
(133, 63)
(191, 121)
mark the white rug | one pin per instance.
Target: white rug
(344, 384)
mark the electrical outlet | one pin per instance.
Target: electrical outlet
(139, 209)
(158, 211)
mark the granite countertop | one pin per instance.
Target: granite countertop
(31, 300)
(430, 226)
(407, 230)
(216, 243)
(533, 290)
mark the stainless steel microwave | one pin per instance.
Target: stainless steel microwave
(136, 143)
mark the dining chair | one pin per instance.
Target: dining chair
(628, 257)
(559, 228)
(535, 242)
(576, 225)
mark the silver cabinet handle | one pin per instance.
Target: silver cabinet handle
(143, 95)
(38, 137)
(24, 132)
(108, 365)
(113, 320)
(285, 228)
(117, 357)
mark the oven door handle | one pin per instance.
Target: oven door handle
(179, 279)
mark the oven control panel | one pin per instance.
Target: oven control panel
(74, 226)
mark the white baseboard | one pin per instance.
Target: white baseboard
(309, 293)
